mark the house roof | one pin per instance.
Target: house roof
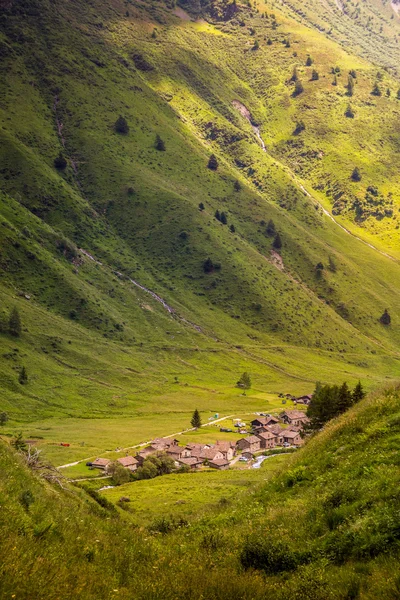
(101, 462)
(277, 429)
(265, 420)
(252, 439)
(210, 453)
(268, 435)
(191, 461)
(224, 446)
(290, 434)
(295, 414)
(147, 451)
(164, 441)
(127, 461)
(219, 462)
(174, 450)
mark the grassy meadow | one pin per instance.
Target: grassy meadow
(327, 517)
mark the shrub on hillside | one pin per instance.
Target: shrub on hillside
(141, 63)
(212, 163)
(277, 243)
(273, 557)
(356, 174)
(121, 125)
(300, 126)
(60, 162)
(376, 90)
(385, 319)
(298, 88)
(208, 266)
(159, 143)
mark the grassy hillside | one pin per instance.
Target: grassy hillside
(75, 238)
(328, 523)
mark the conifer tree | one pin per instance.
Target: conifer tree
(349, 112)
(208, 266)
(224, 218)
(213, 163)
(345, 399)
(271, 230)
(277, 243)
(3, 418)
(385, 318)
(60, 162)
(309, 61)
(298, 88)
(356, 175)
(160, 144)
(121, 125)
(295, 75)
(201, 206)
(196, 419)
(244, 381)
(358, 393)
(14, 323)
(232, 228)
(314, 75)
(236, 186)
(217, 215)
(376, 90)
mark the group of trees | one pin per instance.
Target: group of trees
(121, 126)
(221, 217)
(270, 231)
(153, 466)
(209, 266)
(329, 401)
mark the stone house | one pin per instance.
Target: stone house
(267, 440)
(129, 462)
(292, 437)
(100, 463)
(221, 464)
(192, 462)
(251, 443)
(294, 417)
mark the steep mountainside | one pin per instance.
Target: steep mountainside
(93, 218)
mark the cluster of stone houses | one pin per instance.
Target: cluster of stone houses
(193, 455)
(267, 432)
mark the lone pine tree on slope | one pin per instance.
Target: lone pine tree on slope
(244, 381)
(196, 419)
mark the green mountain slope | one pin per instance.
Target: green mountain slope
(77, 240)
(325, 527)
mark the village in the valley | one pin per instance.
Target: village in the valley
(264, 433)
